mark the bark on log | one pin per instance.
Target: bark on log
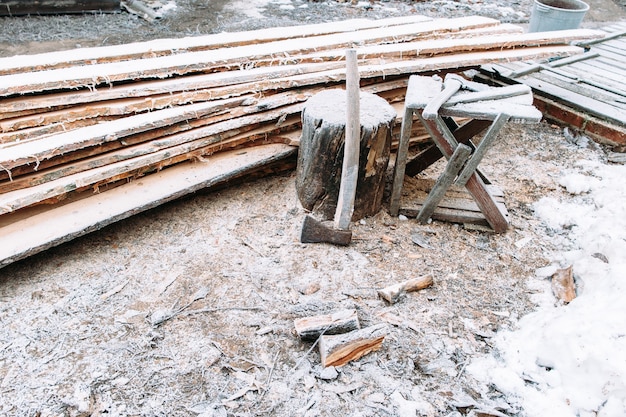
(318, 175)
(338, 350)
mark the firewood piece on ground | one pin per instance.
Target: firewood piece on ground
(338, 350)
(393, 293)
(343, 321)
(563, 285)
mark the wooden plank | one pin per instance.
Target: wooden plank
(594, 91)
(601, 74)
(457, 206)
(203, 61)
(25, 7)
(27, 236)
(139, 160)
(470, 40)
(34, 152)
(583, 102)
(151, 88)
(164, 47)
(601, 129)
(38, 132)
(610, 48)
(597, 102)
(608, 55)
(249, 133)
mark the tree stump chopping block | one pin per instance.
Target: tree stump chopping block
(320, 157)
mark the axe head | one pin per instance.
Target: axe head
(314, 231)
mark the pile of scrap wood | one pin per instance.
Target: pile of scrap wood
(80, 130)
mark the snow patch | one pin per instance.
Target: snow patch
(567, 361)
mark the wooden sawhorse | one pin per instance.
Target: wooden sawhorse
(436, 102)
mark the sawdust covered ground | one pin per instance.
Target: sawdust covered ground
(188, 309)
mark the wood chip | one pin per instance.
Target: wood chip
(563, 285)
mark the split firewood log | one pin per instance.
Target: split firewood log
(310, 328)
(338, 350)
(393, 293)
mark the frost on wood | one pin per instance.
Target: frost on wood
(321, 152)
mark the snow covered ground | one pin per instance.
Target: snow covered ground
(570, 360)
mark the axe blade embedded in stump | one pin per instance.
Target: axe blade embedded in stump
(314, 231)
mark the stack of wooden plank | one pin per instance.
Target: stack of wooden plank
(95, 122)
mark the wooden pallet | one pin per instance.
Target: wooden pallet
(587, 92)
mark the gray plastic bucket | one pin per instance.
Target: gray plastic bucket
(550, 15)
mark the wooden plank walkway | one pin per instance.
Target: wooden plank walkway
(586, 92)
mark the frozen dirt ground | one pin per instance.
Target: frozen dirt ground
(188, 309)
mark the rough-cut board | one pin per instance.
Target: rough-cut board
(33, 234)
(34, 152)
(457, 205)
(163, 47)
(150, 161)
(203, 61)
(24, 7)
(587, 93)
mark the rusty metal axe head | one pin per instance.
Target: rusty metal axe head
(315, 231)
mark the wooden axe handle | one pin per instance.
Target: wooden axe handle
(350, 167)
